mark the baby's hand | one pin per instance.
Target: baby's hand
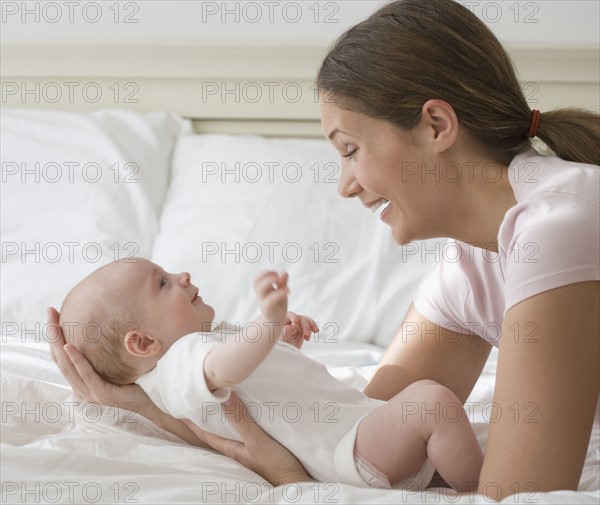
(297, 329)
(272, 292)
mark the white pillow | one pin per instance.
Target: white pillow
(238, 205)
(78, 190)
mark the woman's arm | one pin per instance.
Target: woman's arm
(425, 350)
(86, 383)
(547, 386)
(89, 386)
(144, 407)
(259, 452)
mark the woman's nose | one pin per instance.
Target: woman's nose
(348, 186)
(184, 278)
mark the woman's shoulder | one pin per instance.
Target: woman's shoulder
(535, 175)
(557, 200)
(551, 237)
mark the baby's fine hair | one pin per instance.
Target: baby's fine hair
(98, 329)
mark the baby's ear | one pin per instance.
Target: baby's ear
(140, 344)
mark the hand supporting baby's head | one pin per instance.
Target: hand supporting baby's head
(124, 316)
(94, 319)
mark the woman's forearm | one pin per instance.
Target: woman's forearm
(175, 426)
(425, 350)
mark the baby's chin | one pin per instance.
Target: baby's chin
(207, 326)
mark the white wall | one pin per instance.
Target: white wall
(540, 23)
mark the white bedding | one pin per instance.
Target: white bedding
(54, 449)
(57, 449)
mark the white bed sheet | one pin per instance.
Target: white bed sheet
(55, 449)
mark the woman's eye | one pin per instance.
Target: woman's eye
(349, 155)
(162, 282)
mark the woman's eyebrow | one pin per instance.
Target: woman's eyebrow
(337, 130)
(333, 133)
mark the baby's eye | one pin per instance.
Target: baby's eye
(162, 282)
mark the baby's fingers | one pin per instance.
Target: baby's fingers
(293, 318)
(269, 282)
(305, 326)
(308, 327)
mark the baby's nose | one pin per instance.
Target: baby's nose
(185, 278)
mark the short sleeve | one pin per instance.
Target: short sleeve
(443, 292)
(178, 384)
(557, 243)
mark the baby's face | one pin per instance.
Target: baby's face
(169, 304)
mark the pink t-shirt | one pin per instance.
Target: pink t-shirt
(550, 238)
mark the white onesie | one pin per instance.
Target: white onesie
(291, 396)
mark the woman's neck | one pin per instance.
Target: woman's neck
(482, 205)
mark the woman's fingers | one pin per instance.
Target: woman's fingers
(53, 326)
(225, 446)
(90, 381)
(251, 433)
(60, 357)
(257, 451)
(237, 414)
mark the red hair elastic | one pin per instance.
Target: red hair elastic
(536, 117)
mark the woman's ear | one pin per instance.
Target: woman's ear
(140, 344)
(440, 123)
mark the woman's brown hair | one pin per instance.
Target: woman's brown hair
(410, 51)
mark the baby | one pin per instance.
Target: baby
(135, 322)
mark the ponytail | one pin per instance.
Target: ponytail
(572, 134)
(410, 51)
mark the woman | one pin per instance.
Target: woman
(424, 107)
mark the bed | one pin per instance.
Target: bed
(221, 189)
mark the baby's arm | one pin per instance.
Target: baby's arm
(230, 362)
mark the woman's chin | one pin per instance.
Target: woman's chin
(400, 240)
(399, 234)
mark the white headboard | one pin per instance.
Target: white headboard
(243, 88)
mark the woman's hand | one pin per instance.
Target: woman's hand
(258, 451)
(90, 387)
(87, 384)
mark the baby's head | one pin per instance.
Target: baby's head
(124, 316)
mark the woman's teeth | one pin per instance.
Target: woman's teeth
(380, 206)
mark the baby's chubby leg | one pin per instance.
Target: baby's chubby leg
(424, 420)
